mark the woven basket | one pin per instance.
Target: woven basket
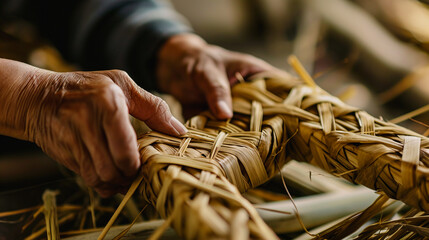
(195, 181)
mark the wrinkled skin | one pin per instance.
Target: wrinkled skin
(197, 73)
(80, 119)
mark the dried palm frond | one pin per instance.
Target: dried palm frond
(350, 224)
(195, 181)
(412, 225)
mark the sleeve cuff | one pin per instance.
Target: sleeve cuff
(143, 59)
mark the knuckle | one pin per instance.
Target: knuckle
(106, 175)
(199, 69)
(160, 106)
(111, 89)
(123, 80)
(111, 97)
(129, 163)
(105, 172)
(244, 56)
(90, 178)
(219, 91)
(120, 74)
(157, 110)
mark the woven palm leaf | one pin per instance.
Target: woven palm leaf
(195, 181)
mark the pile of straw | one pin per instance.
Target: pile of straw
(195, 181)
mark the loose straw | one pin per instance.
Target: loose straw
(195, 180)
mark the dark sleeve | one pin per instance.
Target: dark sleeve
(103, 34)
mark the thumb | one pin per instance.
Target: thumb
(145, 106)
(155, 112)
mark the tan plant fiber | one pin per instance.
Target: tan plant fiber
(195, 181)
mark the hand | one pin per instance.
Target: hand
(81, 120)
(195, 72)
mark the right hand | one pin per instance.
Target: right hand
(80, 119)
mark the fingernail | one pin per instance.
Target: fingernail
(178, 126)
(223, 110)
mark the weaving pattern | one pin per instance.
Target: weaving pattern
(195, 181)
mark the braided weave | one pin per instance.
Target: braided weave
(195, 181)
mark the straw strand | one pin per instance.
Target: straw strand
(198, 177)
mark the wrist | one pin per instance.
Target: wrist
(185, 41)
(173, 54)
(38, 91)
(180, 46)
(22, 88)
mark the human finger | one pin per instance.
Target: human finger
(213, 81)
(155, 112)
(120, 136)
(147, 107)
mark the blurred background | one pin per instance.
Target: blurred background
(372, 54)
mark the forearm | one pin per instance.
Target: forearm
(81, 119)
(19, 84)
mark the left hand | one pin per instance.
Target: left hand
(197, 73)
